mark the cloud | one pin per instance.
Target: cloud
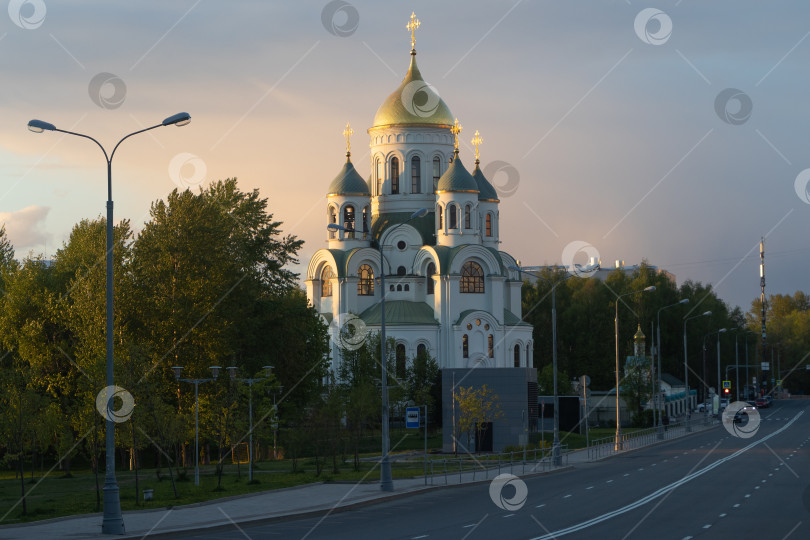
(24, 227)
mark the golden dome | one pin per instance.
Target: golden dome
(415, 102)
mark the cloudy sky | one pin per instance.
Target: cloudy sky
(675, 131)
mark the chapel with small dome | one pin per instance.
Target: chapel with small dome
(449, 289)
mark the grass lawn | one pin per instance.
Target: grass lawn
(54, 495)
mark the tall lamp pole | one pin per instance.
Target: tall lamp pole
(619, 443)
(196, 382)
(232, 372)
(113, 520)
(686, 370)
(660, 429)
(386, 478)
(556, 454)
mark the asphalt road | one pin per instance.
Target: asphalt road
(707, 485)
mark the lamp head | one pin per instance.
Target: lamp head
(179, 119)
(38, 126)
(335, 227)
(706, 314)
(422, 212)
(177, 371)
(722, 330)
(268, 370)
(215, 370)
(651, 288)
(232, 371)
(684, 301)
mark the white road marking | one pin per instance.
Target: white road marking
(417, 537)
(667, 488)
(737, 505)
(566, 496)
(538, 506)
(609, 481)
(627, 474)
(747, 495)
(468, 526)
(707, 525)
(589, 487)
(508, 515)
(722, 515)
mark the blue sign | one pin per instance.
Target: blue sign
(412, 417)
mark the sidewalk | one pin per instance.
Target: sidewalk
(308, 500)
(301, 501)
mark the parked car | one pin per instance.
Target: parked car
(761, 402)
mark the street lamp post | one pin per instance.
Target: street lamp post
(686, 369)
(196, 382)
(113, 520)
(705, 376)
(619, 444)
(556, 454)
(386, 479)
(232, 373)
(660, 429)
(275, 420)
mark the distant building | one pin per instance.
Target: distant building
(603, 271)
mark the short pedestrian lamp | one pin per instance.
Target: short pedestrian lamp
(196, 382)
(268, 370)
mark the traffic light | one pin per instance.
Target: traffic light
(725, 391)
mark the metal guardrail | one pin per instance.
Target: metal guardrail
(608, 446)
(463, 469)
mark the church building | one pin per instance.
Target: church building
(431, 226)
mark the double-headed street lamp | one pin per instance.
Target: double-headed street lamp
(619, 443)
(232, 372)
(196, 382)
(113, 521)
(686, 369)
(556, 455)
(658, 354)
(386, 479)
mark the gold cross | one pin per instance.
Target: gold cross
(412, 26)
(455, 130)
(348, 133)
(477, 140)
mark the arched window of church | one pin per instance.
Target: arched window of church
(348, 220)
(332, 219)
(467, 217)
(401, 364)
(465, 346)
(379, 176)
(366, 215)
(406, 288)
(491, 345)
(517, 355)
(437, 172)
(399, 287)
(472, 278)
(429, 283)
(452, 217)
(489, 224)
(401, 271)
(416, 175)
(439, 213)
(326, 281)
(394, 176)
(365, 283)
(421, 349)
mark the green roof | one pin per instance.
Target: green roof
(415, 102)
(510, 319)
(457, 178)
(486, 192)
(401, 312)
(425, 225)
(348, 182)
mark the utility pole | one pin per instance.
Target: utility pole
(764, 377)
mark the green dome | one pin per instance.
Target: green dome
(414, 102)
(348, 182)
(457, 178)
(486, 192)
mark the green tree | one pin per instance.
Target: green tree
(476, 407)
